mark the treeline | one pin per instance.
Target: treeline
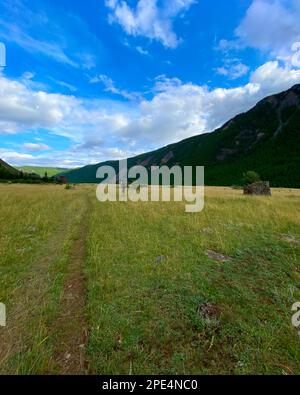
(14, 177)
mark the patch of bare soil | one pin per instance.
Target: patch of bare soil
(71, 328)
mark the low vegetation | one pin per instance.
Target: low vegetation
(51, 171)
(250, 177)
(161, 291)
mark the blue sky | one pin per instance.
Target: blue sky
(106, 79)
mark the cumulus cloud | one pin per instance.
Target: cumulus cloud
(271, 26)
(275, 78)
(22, 108)
(180, 110)
(148, 19)
(100, 130)
(14, 157)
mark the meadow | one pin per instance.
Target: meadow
(146, 288)
(51, 171)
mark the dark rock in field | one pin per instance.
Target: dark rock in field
(217, 256)
(261, 188)
(160, 259)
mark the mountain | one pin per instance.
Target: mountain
(265, 139)
(7, 171)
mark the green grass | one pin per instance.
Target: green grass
(51, 171)
(149, 317)
(38, 226)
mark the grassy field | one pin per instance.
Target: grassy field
(132, 288)
(51, 171)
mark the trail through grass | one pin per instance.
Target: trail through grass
(150, 297)
(38, 230)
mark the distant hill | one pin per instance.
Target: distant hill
(265, 139)
(7, 171)
(51, 171)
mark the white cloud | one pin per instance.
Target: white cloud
(64, 84)
(33, 147)
(271, 26)
(28, 79)
(110, 87)
(88, 61)
(180, 110)
(228, 45)
(275, 78)
(22, 108)
(101, 130)
(13, 157)
(142, 51)
(233, 71)
(45, 33)
(13, 33)
(65, 159)
(148, 19)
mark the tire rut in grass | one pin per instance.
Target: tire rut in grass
(15, 340)
(71, 329)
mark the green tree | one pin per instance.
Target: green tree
(250, 177)
(45, 178)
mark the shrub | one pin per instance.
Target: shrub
(250, 177)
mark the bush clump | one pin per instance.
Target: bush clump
(250, 177)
